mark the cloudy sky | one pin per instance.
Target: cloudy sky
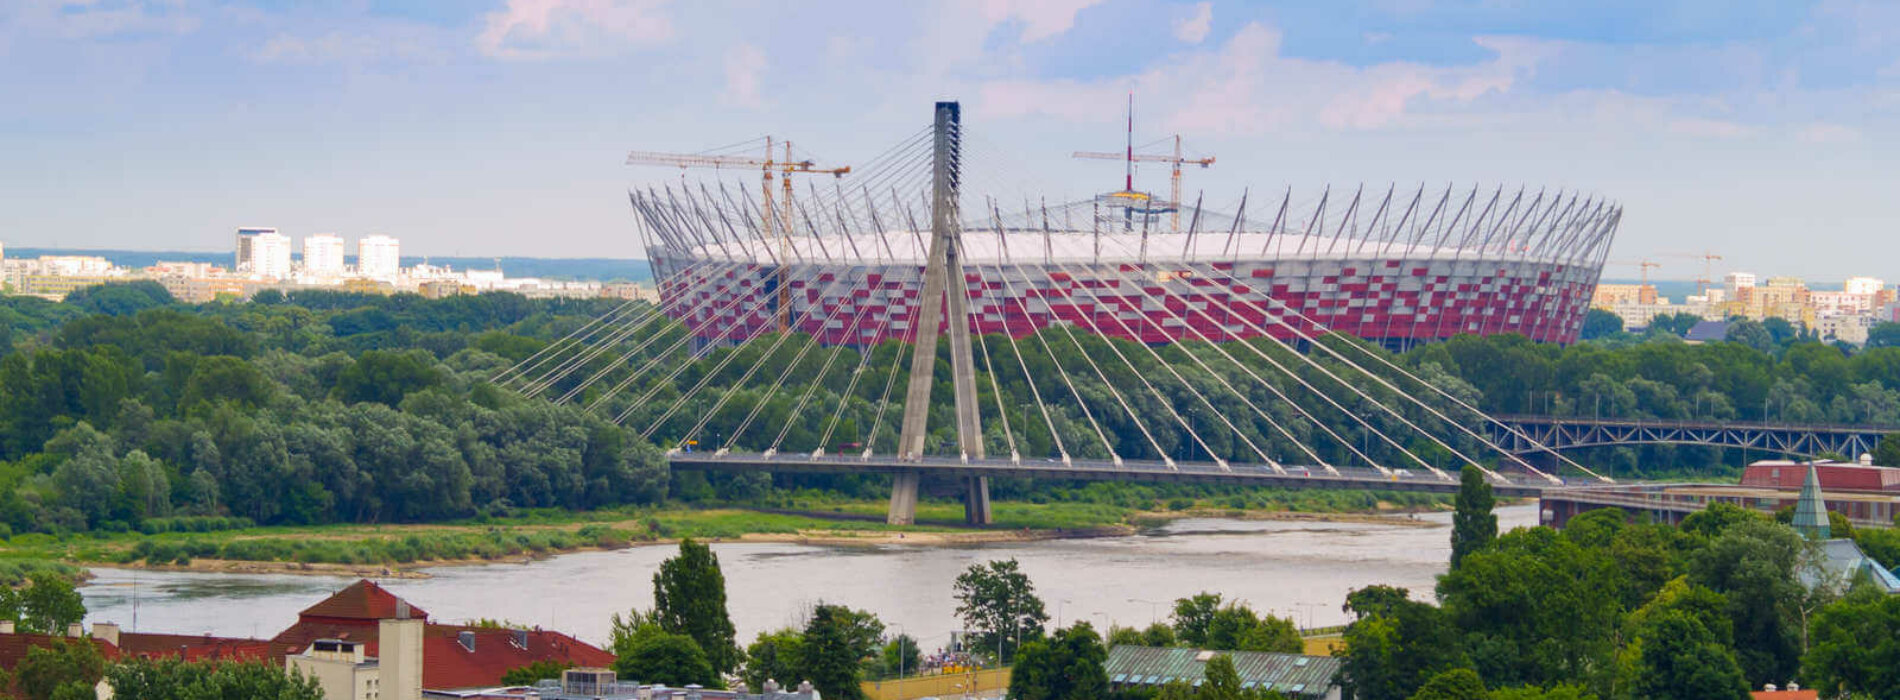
(1764, 131)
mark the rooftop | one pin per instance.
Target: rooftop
(1292, 675)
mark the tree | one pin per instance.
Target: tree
(176, 679)
(1193, 615)
(1395, 644)
(385, 377)
(773, 656)
(1158, 635)
(1531, 692)
(901, 656)
(49, 604)
(120, 298)
(689, 597)
(831, 653)
(1753, 564)
(1678, 658)
(1598, 323)
(1219, 679)
(1473, 525)
(997, 601)
(1455, 684)
(1884, 335)
(1236, 627)
(1887, 453)
(1069, 665)
(654, 655)
(1854, 646)
(536, 671)
(63, 662)
(1536, 609)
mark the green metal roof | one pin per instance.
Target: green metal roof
(1295, 675)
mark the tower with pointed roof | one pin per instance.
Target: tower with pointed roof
(1810, 513)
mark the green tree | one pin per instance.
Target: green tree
(1558, 692)
(1678, 658)
(689, 597)
(536, 671)
(1887, 453)
(1069, 665)
(175, 679)
(1236, 627)
(654, 655)
(1598, 323)
(1193, 615)
(901, 656)
(1854, 646)
(1220, 681)
(1455, 684)
(1395, 644)
(1753, 565)
(997, 601)
(832, 653)
(49, 604)
(1884, 335)
(385, 377)
(63, 662)
(1473, 525)
(774, 656)
(1158, 635)
(1536, 609)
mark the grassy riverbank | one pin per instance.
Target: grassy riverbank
(808, 517)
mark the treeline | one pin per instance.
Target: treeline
(1612, 607)
(320, 407)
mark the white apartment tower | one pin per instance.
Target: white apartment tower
(323, 255)
(1863, 285)
(264, 253)
(379, 257)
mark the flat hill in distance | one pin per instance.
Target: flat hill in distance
(602, 269)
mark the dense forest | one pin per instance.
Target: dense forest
(122, 409)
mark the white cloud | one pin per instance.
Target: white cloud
(539, 29)
(93, 19)
(1246, 87)
(744, 63)
(1194, 29)
(1041, 19)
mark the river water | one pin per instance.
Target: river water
(1296, 569)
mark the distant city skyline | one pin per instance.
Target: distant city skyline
(1758, 130)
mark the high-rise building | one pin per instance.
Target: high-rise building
(270, 255)
(379, 257)
(1863, 285)
(247, 246)
(323, 255)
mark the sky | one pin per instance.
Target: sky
(1764, 132)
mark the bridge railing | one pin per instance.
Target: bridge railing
(1704, 424)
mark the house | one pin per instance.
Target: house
(1794, 692)
(452, 656)
(601, 684)
(1293, 675)
(1707, 332)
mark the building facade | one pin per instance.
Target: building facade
(323, 255)
(379, 257)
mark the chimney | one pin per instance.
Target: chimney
(400, 659)
(402, 609)
(75, 630)
(6, 627)
(108, 631)
(1793, 686)
(1866, 459)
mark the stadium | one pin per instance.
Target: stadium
(1392, 266)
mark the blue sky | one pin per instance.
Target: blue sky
(1765, 131)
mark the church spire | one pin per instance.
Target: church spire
(1810, 513)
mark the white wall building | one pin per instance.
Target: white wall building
(270, 255)
(246, 247)
(1863, 285)
(379, 257)
(1738, 280)
(323, 255)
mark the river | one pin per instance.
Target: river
(1297, 569)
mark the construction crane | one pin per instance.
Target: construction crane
(778, 220)
(1708, 258)
(1644, 265)
(776, 223)
(1129, 157)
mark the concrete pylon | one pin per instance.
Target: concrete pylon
(945, 297)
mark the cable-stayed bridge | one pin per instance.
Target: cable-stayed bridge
(1105, 349)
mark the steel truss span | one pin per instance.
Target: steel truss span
(1396, 268)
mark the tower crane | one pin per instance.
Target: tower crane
(1708, 258)
(777, 219)
(1130, 158)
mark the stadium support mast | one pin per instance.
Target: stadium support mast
(944, 301)
(1129, 158)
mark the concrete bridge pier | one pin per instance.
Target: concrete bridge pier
(904, 498)
(976, 500)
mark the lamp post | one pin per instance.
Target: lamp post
(1154, 608)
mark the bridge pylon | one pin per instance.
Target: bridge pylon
(944, 301)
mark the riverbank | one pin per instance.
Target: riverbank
(409, 550)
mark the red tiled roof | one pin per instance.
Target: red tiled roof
(1786, 695)
(13, 647)
(446, 664)
(193, 648)
(363, 600)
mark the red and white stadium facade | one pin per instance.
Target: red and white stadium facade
(1481, 264)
